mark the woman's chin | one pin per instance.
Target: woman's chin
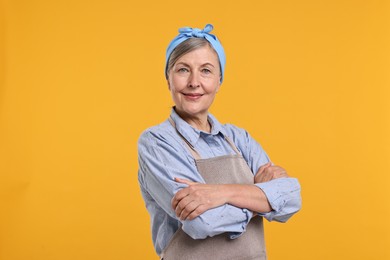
(193, 111)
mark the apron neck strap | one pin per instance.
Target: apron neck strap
(234, 147)
(190, 147)
(194, 153)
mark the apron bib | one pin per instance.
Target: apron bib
(228, 169)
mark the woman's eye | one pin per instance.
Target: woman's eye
(182, 70)
(207, 71)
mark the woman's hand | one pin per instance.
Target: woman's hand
(192, 201)
(269, 172)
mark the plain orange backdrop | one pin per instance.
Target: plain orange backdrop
(80, 80)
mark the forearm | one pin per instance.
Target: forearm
(246, 196)
(223, 219)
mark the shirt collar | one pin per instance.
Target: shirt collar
(192, 134)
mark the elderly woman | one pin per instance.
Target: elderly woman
(207, 185)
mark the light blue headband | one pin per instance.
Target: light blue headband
(187, 33)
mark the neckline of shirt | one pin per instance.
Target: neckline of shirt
(192, 134)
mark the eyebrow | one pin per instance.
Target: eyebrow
(208, 63)
(185, 64)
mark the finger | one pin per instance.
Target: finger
(259, 178)
(179, 196)
(278, 168)
(268, 177)
(283, 174)
(280, 172)
(182, 205)
(263, 167)
(271, 169)
(277, 172)
(263, 177)
(197, 212)
(184, 181)
(189, 208)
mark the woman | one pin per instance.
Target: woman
(207, 185)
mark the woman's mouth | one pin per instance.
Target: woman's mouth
(192, 96)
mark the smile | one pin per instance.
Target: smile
(192, 96)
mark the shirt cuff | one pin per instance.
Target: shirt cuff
(273, 191)
(249, 214)
(283, 196)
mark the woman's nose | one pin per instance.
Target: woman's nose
(194, 81)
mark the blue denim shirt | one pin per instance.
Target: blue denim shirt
(163, 156)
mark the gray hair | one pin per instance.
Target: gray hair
(184, 48)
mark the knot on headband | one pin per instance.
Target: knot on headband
(187, 33)
(195, 32)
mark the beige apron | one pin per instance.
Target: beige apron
(226, 169)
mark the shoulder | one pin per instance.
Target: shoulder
(156, 133)
(159, 136)
(235, 132)
(241, 137)
(250, 149)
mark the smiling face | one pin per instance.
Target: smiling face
(193, 81)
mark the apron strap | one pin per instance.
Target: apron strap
(234, 147)
(190, 147)
(194, 153)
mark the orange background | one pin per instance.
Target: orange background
(80, 80)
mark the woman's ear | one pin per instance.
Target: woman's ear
(220, 82)
(219, 86)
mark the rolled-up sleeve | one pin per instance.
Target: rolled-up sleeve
(284, 196)
(218, 220)
(160, 161)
